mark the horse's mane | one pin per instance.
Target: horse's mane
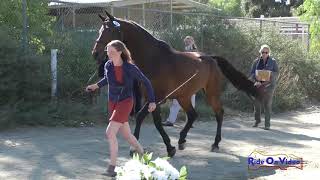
(160, 43)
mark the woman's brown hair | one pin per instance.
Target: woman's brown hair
(120, 46)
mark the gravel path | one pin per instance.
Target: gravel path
(82, 153)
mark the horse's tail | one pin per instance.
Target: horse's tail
(238, 79)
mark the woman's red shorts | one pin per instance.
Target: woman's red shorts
(120, 111)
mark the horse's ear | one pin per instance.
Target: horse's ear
(110, 16)
(101, 17)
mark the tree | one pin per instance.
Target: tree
(310, 11)
(228, 7)
(39, 22)
(269, 8)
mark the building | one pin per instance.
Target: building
(79, 13)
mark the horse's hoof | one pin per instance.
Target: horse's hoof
(182, 146)
(172, 152)
(214, 148)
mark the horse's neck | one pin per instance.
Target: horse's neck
(144, 47)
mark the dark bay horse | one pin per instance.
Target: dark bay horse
(167, 69)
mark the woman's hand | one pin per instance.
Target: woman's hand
(152, 107)
(92, 87)
(265, 83)
(257, 84)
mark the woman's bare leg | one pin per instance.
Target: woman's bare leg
(111, 134)
(126, 133)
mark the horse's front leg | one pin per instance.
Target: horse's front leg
(157, 122)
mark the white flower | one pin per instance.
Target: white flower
(133, 165)
(147, 171)
(158, 169)
(129, 177)
(170, 171)
(130, 171)
(159, 175)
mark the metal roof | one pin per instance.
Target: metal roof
(177, 5)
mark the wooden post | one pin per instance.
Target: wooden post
(308, 38)
(143, 15)
(73, 17)
(54, 73)
(171, 13)
(25, 25)
(128, 13)
(302, 35)
(260, 26)
(297, 31)
(261, 17)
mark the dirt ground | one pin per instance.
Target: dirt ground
(82, 153)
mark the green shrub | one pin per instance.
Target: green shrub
(24, 77)
(25, 87)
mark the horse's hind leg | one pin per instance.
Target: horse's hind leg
(157, 122)
(216, 105)
(192, 115)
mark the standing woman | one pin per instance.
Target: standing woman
(190, 46)
(119, 74)
(267, 87)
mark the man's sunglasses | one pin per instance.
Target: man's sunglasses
(264, 52)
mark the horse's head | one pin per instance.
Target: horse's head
(111, 29)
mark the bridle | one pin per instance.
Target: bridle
(120, 34)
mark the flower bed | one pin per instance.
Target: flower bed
(144, 169)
